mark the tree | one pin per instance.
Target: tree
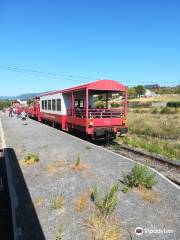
(140, 90)
(31, 101)
(4, 104)
(132, 92)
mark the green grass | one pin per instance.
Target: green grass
(78, 160)
(88, 147)
(57, 203)
(59, 233)
(154, 125)
(168, 110)
(162, 147)
(154, 132)
(32, 157)
(140, 176)
(161, 98)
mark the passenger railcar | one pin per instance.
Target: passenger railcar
(74, 108)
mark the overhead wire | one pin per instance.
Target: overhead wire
(70, 77)
(45, 74)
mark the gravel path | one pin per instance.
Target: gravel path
(37, 185)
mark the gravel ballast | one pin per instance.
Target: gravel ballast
(38, 184)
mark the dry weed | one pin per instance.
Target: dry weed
(81, 202)
(148, 195)
(103, 229)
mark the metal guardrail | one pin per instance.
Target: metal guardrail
(96, 113)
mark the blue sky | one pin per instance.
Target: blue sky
(132, 41)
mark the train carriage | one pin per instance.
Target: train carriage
(74, 108)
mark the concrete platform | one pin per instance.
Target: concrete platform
(37, 185)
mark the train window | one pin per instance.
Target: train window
(42, 104)
(45, 104)
(53, 104)
(49, 104)
(58, 104)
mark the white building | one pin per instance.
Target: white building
(149, 93)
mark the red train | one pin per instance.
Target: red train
(75, 108)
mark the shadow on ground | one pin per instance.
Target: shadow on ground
(27, 219)
(5, 207)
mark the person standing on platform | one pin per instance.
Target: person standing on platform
(10, 112)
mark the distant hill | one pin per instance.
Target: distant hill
(27, 96)
(21, 97)
(24, 96)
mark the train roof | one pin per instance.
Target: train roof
(99, 85)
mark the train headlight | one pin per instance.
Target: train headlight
(91, 122)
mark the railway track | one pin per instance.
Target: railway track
(169, 168)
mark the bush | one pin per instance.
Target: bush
(99, 104)
(140, 176)
(4, 104)
(168, 110)
(107, 205)
(114, 104)
(136, 111)
(173, 104)
(154, 111)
